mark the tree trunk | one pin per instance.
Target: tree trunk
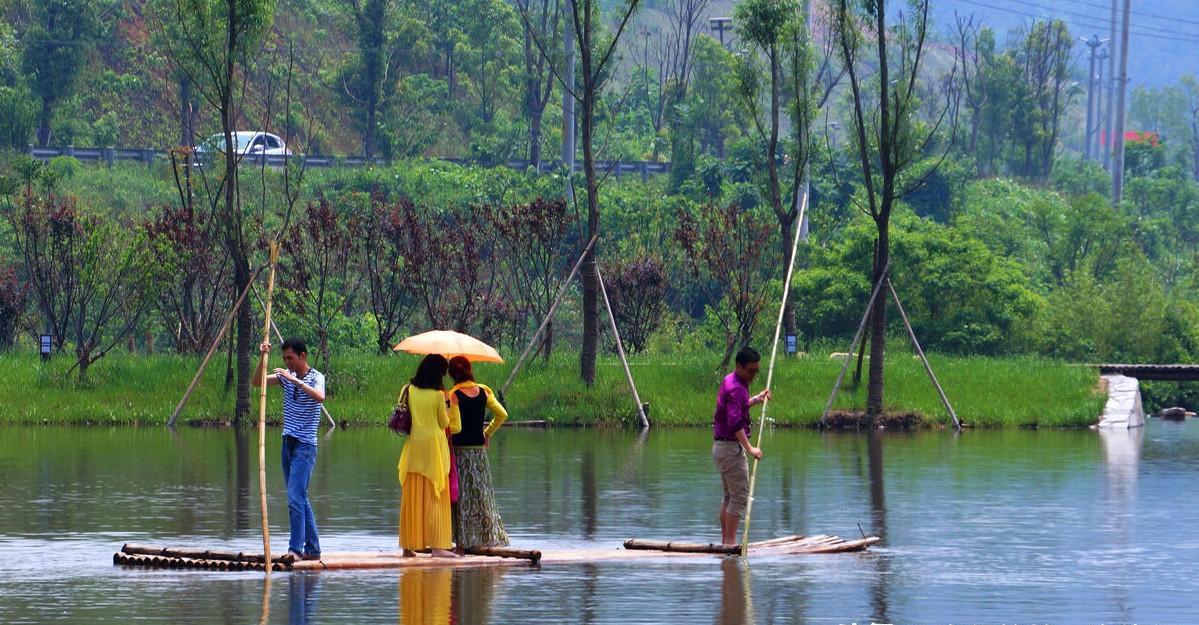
(1195, 148)
(787, 227)
(534, 137)
(245, 338)
(878, 324)
(547, 342)
(323, 333)
(187, 133)
(43, 126)
(730, 342)
(368, 134)
(975, 122)
(590, 276)
(372, 61)
(229, 361)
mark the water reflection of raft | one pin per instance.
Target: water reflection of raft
(148, 556)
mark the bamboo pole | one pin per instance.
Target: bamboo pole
(266, 599)
(920, 351)
(532, 555)
(212, 350)
(633, 544)
(774, 348)
(549, 315)
(279, 335)
(266, 337)
(620, 350)
(852, 345)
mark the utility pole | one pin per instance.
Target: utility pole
(1093, 43)
(1118, 144)
(1111, 96)
(1100, 107)
(720, 24)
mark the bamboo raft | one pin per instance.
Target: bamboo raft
(149, 556)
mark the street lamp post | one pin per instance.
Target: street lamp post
(720, 24)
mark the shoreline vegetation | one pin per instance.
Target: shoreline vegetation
(142, 390)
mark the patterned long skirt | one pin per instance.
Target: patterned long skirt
(477, 521)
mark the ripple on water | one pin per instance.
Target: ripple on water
(988, 527)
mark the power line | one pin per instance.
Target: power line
(1185, 38)
(1153, 16)
(1086, 16)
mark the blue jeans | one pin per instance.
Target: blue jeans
(298, 460)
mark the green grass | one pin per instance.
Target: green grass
(985, 392)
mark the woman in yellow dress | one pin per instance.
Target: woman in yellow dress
(425, 464)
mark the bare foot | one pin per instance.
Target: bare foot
(442, 553)
(460, 550)
(408, 553)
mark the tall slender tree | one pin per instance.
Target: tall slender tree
(891, 144)
(777, 30)
(595, 52)
(56, 48)
(385, 40)
(212, 41)
(542, 20)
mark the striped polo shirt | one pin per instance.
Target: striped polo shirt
(301, 413)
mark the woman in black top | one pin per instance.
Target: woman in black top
(476, 519)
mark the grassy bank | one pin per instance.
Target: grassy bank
(986, 392)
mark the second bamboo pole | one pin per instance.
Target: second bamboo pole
(266, 338)
(774, 348)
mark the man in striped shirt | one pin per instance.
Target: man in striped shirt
(303, 392)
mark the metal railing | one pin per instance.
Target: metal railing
(109, 156)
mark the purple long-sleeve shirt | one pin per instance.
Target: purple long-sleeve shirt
(732, 409)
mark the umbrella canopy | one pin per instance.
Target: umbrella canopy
(449, 344)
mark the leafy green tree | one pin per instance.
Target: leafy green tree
(777, 30)
(92, 278)
(415, 117)
(490, 56)
(595, 51)
(541, 27)
(211, 41)
(17, 112)
(703, 120)
(962, 297)
(55, 51)
(386, 40)
(1045, 60)
(890, 143)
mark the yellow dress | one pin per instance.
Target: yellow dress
(424, 473)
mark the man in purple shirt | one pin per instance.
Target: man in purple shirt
(730, 428)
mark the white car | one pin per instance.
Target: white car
(248, 143)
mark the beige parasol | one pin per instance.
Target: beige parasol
(449, 344)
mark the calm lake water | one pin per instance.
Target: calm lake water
(1019, 527)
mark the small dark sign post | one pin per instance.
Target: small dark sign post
(46, 343)
(792, 344)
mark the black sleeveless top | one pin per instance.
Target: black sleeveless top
(473, 410)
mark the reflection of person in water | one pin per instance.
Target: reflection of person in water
(301, 597)
(474, 591)
(425, 596)
(736, 602)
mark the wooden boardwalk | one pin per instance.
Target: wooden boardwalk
(148, 556)
(1169, 373)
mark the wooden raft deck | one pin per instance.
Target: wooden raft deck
(147, 556)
